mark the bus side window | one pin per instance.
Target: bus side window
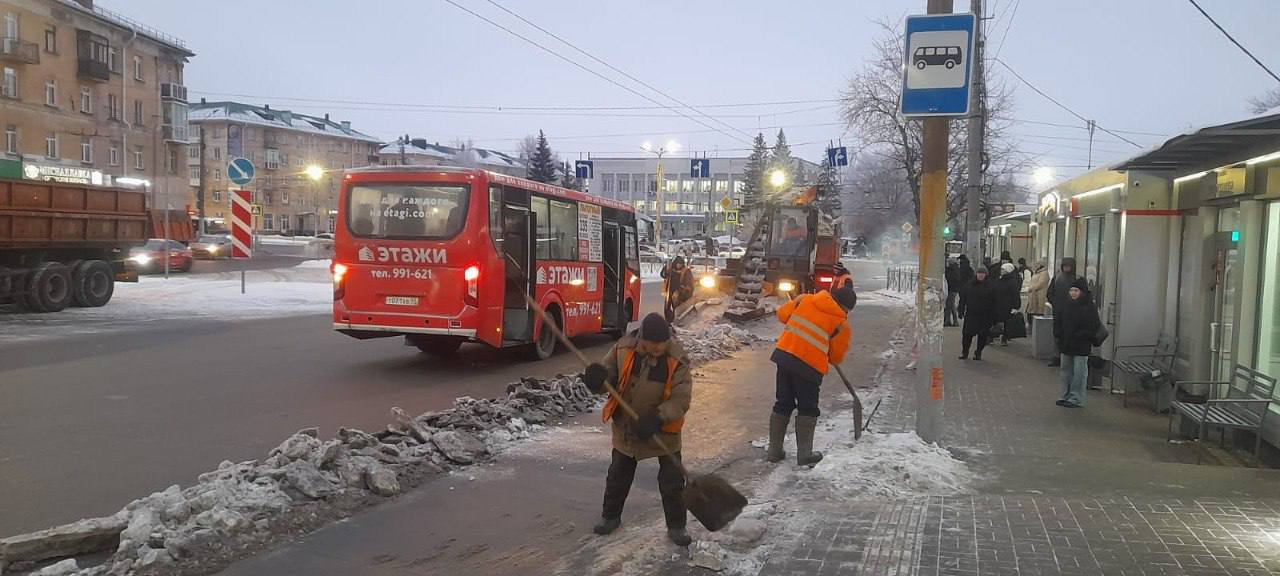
(495, 216)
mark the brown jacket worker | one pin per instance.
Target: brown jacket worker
(816, 335)
(649, 369)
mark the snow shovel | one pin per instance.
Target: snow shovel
(710, 498)
(857, 403)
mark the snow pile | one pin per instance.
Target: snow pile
(883, 465)
(714, 341)
(302, 483)
(322, 263)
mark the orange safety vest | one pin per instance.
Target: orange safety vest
(624, 378)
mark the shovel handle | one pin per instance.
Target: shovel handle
(549, 322)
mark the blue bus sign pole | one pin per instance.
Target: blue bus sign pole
(938, 65)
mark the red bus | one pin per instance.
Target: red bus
(444, 255)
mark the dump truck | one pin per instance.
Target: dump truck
(65, 245)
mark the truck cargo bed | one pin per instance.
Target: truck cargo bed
(41, 214)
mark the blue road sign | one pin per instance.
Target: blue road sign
(937, 65)
(838, 156)
(700, 168)
(240, 171)
(583, 169)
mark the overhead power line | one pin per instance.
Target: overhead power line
(584, 68)
(1061, 105)
(1233, 40)
(1078, 127)
(501, 107)
(615, 68)
(1013, 14)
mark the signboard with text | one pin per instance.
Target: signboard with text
(937, 65)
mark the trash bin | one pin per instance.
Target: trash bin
(1042, 344)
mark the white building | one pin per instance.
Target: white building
(690, 205)
(419, 152)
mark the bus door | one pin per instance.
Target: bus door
(611, 249)
(518, 251)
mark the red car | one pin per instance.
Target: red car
(150, 256)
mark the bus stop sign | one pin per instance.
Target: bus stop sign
(937, 67)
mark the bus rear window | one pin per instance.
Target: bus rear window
(431, 212)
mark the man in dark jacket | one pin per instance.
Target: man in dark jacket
(1058, 293)
(1075, 333)
(965, 274)
(980, 307)
(678, 280)
(1010, 296)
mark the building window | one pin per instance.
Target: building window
(86, 100)
(113, 155)
(217, 152)
(137, 113)
(137, 158)
(10, 25)
(51, 40)
(193, 152)
(268, 221)
(267, 197)
(171, 161)
(273, 159)
(217, 174)
(137, 68)
(51, 146)
(112, 59)
(50, 93)
(217, 196)
(113, 107)
(10, 87)
(86, 151)
(11, 139)
(284, 197)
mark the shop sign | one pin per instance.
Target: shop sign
(62, 174)
(1231, 181)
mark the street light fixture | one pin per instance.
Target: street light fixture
(314, 172)
(671, 146)
(778, 179)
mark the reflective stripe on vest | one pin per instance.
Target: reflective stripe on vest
(807, 337)
(624, 379)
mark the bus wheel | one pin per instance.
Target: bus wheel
(544, 343)
(440, 346)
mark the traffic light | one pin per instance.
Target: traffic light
(946, 231)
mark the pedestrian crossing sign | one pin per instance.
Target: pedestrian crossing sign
(731, 216)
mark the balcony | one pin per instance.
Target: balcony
(90, 69)
(19, 51)
(173, 92)
(174, 133)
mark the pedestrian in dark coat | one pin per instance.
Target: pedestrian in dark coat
(1075, 334)
(678, 286)
(980, 307)
(1058, 293)
(952, 276)
(1011, 296)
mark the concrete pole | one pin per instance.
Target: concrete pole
(933, 217)
(657, 218)
(975, 144)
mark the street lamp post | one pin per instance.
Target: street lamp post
(673, 147)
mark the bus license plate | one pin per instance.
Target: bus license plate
(402, 300)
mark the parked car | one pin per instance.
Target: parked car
(150, 256)
(211, 247)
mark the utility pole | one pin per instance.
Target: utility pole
(1091, 124)
(976, 143)
(933, 217)
(657, 221)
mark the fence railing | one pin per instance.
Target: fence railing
(902, 278)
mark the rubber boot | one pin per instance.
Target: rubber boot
(606, 526)
(805, 456)
(679, 536)
(777, 435)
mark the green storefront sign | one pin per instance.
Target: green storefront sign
(10, 169)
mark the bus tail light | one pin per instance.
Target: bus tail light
(826, 279)
(472, 276)
(339, 281)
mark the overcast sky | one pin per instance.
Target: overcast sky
(1153, 66)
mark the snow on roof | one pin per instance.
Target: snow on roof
(462, 156)
(238, 113)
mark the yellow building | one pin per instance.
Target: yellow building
(90, 96)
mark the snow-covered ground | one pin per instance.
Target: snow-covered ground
(268, 293)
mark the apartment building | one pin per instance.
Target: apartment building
(298, 161)
(407, 151)
(89, 96)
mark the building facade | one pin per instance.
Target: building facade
(1182, 241)
(90, 96)
(298, 161)
(408, 151)
(691, 205)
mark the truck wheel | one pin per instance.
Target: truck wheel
(544, 343)
(49, 289)
(92, 283)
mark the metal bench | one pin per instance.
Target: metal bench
(1241, 404)
(1157, 364)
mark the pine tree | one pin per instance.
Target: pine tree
(753, 176)
(542, 166)
(829, 190)
(782, 159)
(569, 177)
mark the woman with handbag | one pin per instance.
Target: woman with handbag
(1079, 330)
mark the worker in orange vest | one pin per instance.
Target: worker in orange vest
(649, 369)
(842, 277)
(816, 335)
